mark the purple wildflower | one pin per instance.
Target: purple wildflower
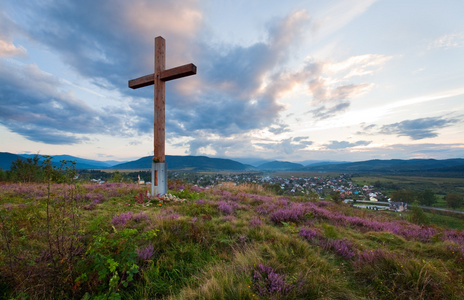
(267, 282)
(196, 189)
(308, 234)
(341, 247)
(121, 219)
(255, 222)
(141, 216)
(370, 256)
(145, 253)
(294, 213)
(200, 201)
(227, 207)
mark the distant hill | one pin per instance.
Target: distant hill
(6, 159)
(81, 163)
(392, 166)
(190, 163)
(420, 167)
(279, 166)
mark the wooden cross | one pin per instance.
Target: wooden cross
(158, 79)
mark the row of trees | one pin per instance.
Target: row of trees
(35, 169)
(427, 198)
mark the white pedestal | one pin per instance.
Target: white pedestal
(159, 179)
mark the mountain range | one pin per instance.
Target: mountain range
(449, 167)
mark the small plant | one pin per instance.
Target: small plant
(268, 283)
(146, 253)
(122, 218)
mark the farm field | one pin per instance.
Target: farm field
(109, 241)
(417, 183)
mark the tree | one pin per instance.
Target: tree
(454, 200)
(117, 177)
(407, 196)
(27, 170)
(427, 197)
(417, 215)
(337, 197)
(3, 175)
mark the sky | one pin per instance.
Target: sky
(279, 80)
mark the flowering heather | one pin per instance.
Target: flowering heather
(323, 203)
(201, 201)
(227, 207)
(294, 213)
(370, 256)
(342, 248)
(173, 216)
(145, 253)
(255, 222)
(401, 228)
(308, 234)
(456, 236)
(225, 194)
(196, 189)
(91, 205)
(268, 283)
(140, 217)
(122, 218)
(266, 208)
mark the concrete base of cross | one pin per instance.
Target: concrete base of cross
(159, 179)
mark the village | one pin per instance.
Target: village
(322, 187)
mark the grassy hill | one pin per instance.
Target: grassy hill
(227, 242)
(393, 166)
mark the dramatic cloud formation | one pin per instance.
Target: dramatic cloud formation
(302, 78)
(417, 129)
(38, 106)
(237, 88)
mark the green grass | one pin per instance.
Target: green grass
(222, 243)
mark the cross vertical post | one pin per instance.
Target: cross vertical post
(160, 101)
(158, 79)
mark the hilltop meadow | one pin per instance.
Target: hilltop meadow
(109, 241)
(64, 238)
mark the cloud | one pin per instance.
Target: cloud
(286, 147)
(329, 83)
(448, 41)
(236, 91)
(38, 106)
(9, 49)
(232, 96)
(334, 145)
(278, 129)
(359, 65)
(419, 128)
(8, 30)
(416, 129)
(111, 40)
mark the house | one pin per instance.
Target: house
(398, 206)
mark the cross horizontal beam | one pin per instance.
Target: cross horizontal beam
(166, 75)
